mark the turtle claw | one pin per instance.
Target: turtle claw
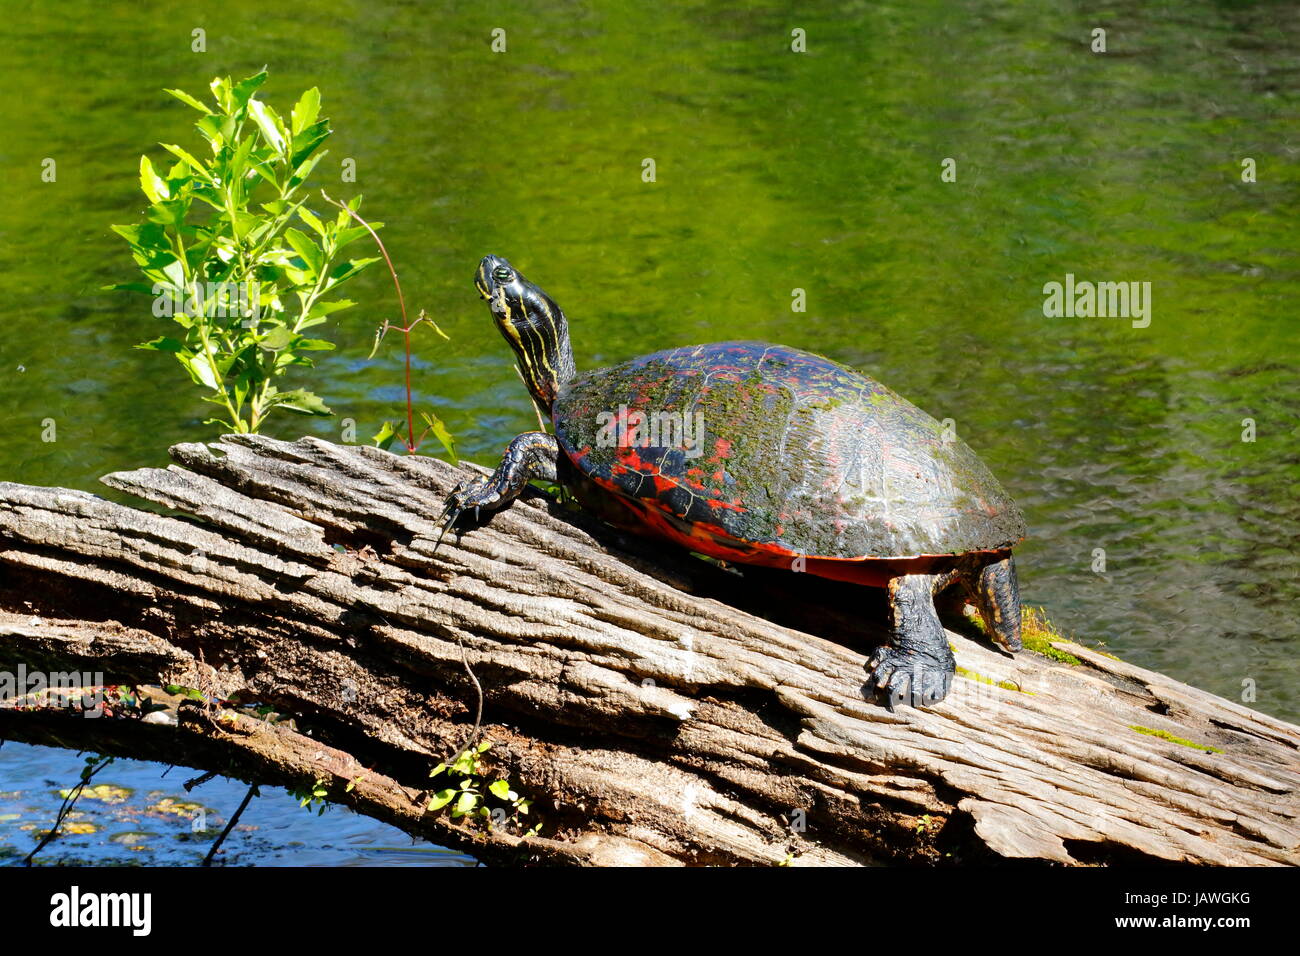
(903, 677)
(470, 493)
(445, 525)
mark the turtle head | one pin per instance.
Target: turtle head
(534, 326)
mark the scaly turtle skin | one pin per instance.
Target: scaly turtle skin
(763, 454)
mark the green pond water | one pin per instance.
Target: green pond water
(775, 171)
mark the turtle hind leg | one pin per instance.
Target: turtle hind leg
(529, 456)
(996, 594)
(917, 666)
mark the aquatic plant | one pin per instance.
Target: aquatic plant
(226, 263)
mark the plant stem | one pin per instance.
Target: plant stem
(201, 324)
(406, 324)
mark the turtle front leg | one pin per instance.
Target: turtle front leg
(531, 455)
(917, 666)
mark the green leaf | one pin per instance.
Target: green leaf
(345, 236)
(306, 142)
(269, 123)
(175, 274)
(200, 369)
(213, 129)
(247, 222)
(220, 87)
(321, 309)
(383, 438)
(465, 804)
(278, 338)
(309, 217)
(153, 185)
(425, 318)
(188, 100)
(247, 87)
(146, 237)
(168, 212)
(500, 789)
(314, 345)
(304, 169)
(180, 182)
(346, 270)
(304, 112)
(128, 287)
(267, 172)
(310, 252)
(302, 401)
(239, 160)
(163, 344)
(441, 799)
(444, 436)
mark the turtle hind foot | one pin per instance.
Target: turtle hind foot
(917, 666)
(903, 676)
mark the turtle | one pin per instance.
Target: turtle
(761, 454)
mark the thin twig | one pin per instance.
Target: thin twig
(200, 780)
(230, 825)
(478, 688)
(401, 302)
(478, 714)
(65, 809)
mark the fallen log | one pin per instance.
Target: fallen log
(658, 708)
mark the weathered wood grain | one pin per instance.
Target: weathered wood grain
(660, 709)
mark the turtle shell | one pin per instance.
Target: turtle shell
(746, 448)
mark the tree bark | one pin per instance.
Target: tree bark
(659, 708)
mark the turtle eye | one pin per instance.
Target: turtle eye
(502, 274)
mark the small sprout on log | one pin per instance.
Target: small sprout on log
(313, 795)
(467, 786)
